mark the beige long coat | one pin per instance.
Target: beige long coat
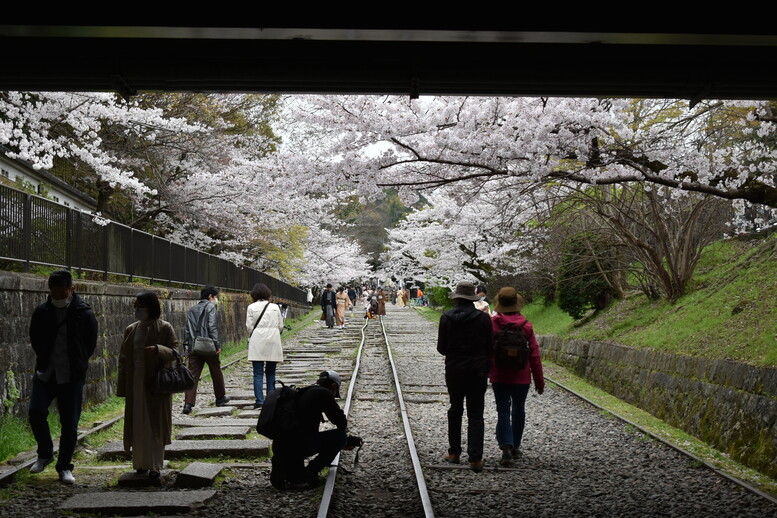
(160, 407)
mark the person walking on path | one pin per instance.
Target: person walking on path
(381, 298)
(201, 321)
(264, 322)
(328, 305)
(343, 303)
(511, 384)
(352, 296)
(149, 344)
(63, 334)
(482, 303)
(465, 339)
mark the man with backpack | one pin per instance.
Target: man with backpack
(465, 339)
(292, 422)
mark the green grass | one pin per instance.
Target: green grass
(730, 311)
(429, 313)
(547, 320)
(16, 436)
(660, 428)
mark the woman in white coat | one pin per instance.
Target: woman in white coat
(265, 323)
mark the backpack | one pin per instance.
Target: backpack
(278, 417)
(511, 347)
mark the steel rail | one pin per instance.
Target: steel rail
(329, 486)
(675, 447)
(419, 473)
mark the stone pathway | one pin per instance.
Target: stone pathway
(211, 432)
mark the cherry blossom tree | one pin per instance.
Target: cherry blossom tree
(723, 148)
(199, 169)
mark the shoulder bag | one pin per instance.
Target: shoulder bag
(203, 345)
(169, 380)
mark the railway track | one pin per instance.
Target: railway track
(391, 476)
(576, 460)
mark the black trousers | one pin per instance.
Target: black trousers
(69, 397)
(472, 390)
(288, 462)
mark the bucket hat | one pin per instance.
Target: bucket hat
(508, 301)
(464, 290)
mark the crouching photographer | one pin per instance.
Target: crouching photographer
(296, 417)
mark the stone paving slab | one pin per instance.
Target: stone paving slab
(240, 402)
(207, 422)
(198, 475)
(214, 411)
(249, 414)
(134, 479)
(196, 449)
(137, 502)
(210, 432)
(241, 394)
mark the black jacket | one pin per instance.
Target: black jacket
(314, 401)
(328, 299)
(208, 329)
(81, 335)
(465, 338)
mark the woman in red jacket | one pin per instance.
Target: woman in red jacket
(510, 384)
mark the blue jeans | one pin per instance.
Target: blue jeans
(510, 421)
(69, 397)
(261, 368)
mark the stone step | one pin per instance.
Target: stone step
(134, 479)
(195, 449)
(249, 414)
(240, 403)
(241, 394)
(214, 411)
(198, 475)
(211, 432)
(137, 502)
(207, 422)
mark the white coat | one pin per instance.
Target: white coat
(265, 342)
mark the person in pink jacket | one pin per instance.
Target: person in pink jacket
(511, 385)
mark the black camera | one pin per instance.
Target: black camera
(353, 441)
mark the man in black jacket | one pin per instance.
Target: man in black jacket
(465, 338)
(63, 333)
(289, 453)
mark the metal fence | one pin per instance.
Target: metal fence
(37, 231)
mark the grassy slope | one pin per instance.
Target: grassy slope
(729, 312)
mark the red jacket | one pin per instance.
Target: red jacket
(518, 376)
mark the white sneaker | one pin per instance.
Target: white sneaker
(40, 465)
(66, 477)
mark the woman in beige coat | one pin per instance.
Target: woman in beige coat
(264, 343)
(148, 418)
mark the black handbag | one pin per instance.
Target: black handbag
(169, 380)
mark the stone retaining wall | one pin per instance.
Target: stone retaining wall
(112, 305)
(730, 405)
